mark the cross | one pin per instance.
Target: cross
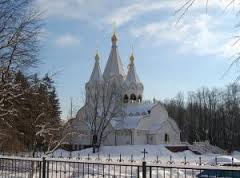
(114, 27)
(144, 153)
(97, 47)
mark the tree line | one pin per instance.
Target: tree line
(28, 103)
(209, 114)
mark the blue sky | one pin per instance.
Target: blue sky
(169, 57)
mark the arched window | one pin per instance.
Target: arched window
(133, 97)
(139, 98)
(166, 138)
(125, 99)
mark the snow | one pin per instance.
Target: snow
(71, 168)
(129, 122)
(141, 108)
(154, 151)
(134, 113)
(223, 160)
(236, 153)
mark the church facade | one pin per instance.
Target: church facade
(140, 122)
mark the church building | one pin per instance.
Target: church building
(142, 122)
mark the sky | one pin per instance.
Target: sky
(171, 56)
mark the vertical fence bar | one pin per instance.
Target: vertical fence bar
(40, 169)
(150, 171)
(144, 170)
(44, 167)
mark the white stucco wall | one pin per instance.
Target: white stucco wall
(158, 114)
(151, 129)
(140, 137)
(110, 139)
(174, 136)
(123, 137)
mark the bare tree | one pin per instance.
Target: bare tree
(188, 4)
(103, 107)
(210, 114)
(55, 137)
(20, 27)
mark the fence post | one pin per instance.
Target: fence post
(144, 169)
(44, 167)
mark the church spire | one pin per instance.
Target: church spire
(114, 67)
(133, 87)
(114, 39)
(96, 75)
(132, 59)
(114, 36)
(97, 57)
(132, 76)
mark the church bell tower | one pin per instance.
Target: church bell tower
(133, 87)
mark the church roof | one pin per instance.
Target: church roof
(130, 122)
(132, 76)
(96, 73)
(141, 108)
(134, 113)
(137, 112)
(114, 65)
(156, 128)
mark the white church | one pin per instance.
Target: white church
(143, 122)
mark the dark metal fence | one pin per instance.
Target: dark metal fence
(19, 167)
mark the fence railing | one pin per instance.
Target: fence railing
(19, 167)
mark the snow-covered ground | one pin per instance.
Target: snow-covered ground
(65, 169)
(153, 151)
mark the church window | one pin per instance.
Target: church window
(133, 97)
(125, 100)
(139, 98)
(166, 138)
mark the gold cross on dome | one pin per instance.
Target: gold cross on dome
(97, 46)
(114, 24)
